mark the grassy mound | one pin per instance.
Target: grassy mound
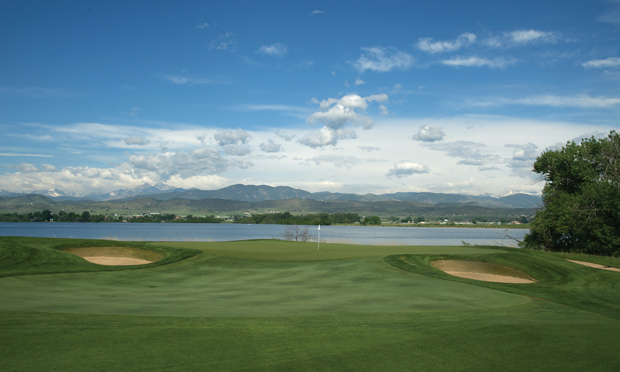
(33, 256)
(558, 280)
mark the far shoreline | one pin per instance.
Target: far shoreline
(457, 226)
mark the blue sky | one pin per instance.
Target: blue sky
(347, 96)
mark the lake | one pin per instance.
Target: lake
(369, 235)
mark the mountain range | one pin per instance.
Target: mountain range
(263, 193)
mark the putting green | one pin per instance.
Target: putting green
(278, 250)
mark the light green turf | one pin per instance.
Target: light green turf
(282, 306)
(278, 250)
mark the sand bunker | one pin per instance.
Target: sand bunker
(116, 261)
(596, 266)
(485, 271)
(115, 256)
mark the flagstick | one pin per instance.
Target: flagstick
(319, 240)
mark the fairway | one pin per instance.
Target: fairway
(276, 305)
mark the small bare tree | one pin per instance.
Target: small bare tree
(297, 233)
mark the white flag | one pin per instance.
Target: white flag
(319, 227)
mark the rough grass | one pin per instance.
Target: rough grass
(272, 305)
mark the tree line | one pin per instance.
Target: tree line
(86, 216)
(280, 218)
(47, 216)
(285, 218)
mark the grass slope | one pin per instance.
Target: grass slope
(274, 305)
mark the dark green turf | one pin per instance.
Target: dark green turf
(272, 305)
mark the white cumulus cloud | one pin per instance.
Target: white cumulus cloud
(429, 133)
(327, 137)
(232, 137)
(271, 146)
(199, 161)
(336, 112)
(523, 158)
(407, 168)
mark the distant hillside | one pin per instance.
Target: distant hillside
(220, 207)
(248, 193)
(142, 190)
(522, 201)
(510, 201)
(244, 198)
(25, 203)
(251, 193)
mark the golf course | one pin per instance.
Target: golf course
(273, 305)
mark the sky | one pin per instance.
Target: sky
(340, 96)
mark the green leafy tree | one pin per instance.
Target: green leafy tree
(522, 219)
(371, 220)
(85, 216)
(581, 198)
(46, 215)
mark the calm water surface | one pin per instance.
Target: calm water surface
(371, 235)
